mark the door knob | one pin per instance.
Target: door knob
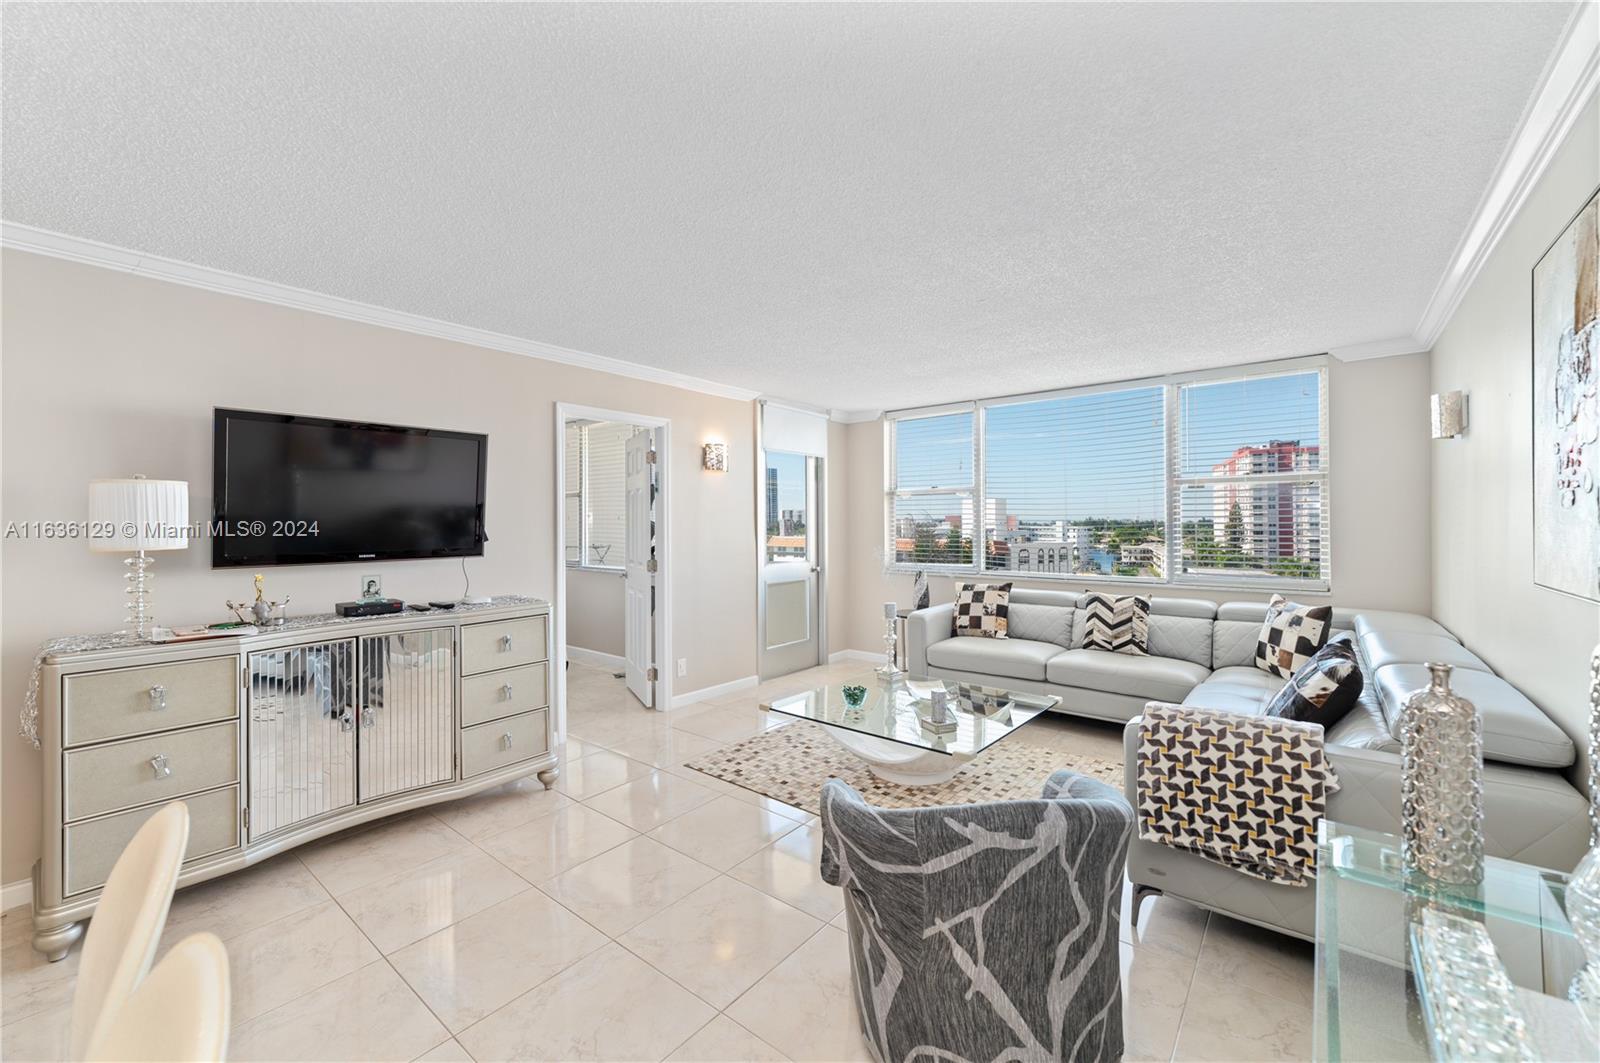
(158, 764)
(158, 698)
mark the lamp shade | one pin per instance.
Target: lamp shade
(138, 514)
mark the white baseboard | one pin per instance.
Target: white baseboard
(596, 659)
(692, 697)
(853, 655)
(16, 894)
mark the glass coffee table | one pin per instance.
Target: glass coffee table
(890, 728)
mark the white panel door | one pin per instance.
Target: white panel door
(790, 565)
(640, 562)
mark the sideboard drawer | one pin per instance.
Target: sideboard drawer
(493, 695)
(141, 770)
(93, 846)
(494, 745)
(133, 701)
(502, 644)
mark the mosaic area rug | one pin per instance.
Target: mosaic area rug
(791, 763)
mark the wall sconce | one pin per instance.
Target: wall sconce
(1448, 414)
(714, 457)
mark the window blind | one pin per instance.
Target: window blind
(605, 492)
(931, 501)
(1076, 485)
(1252, 478)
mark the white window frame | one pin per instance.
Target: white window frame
(581, 495)
(1174, 483)
(891, 493)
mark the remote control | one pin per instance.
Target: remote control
(443, 605)
(420, 608)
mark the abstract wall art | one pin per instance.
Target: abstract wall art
(1566, 409)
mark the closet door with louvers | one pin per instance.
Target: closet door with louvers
(405, 740)
(302, 734)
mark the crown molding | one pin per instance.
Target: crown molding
(1388, 348)
(92, 252)
(1569, 82)
(854, 416)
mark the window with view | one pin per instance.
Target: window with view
(596, 493)
(1210, 481)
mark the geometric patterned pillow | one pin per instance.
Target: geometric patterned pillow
(1119, 623)
(981, 609)
(1324, 689)
(1291, 635)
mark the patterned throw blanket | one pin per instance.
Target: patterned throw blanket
(1245, 791)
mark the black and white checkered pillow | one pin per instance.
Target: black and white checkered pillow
(1119, 623)
(1291, 635)
(981, 609)
(1324, 689)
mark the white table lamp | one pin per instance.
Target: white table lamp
(139, 515)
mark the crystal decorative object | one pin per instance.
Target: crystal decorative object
(1470, 1001)
(889, 669)
(1441, 784)
(1583, 889)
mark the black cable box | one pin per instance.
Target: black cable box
(370, 607)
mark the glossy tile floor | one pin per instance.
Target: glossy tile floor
(639, 911)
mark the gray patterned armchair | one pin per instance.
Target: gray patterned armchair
(984, 931)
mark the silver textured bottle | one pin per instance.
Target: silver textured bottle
(1583, 888)
(1441, 784)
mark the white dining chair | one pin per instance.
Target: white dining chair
(127, 923)
(179, 1013)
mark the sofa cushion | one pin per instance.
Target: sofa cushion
(1158, 678)
(1383, 648)
(1015, 658)
(1291, 635)
(1233, 643)
(981, 609)
(1040, 623)
(1186, 637)
(1389, 620)
(1514, 729)
(1119, 623)
(1324, 689)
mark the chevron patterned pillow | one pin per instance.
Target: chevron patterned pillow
(981, 609)
(1119, 623)
(1291, 635)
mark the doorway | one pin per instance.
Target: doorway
(791, 542)
(611, 604)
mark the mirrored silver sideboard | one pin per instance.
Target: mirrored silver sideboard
(279, 738)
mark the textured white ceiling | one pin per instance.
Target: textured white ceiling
(854, 206)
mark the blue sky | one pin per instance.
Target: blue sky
(1102, 454)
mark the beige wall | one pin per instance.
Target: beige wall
(1379, 469)
(1483, 587)
(108, 374)
(594, 610)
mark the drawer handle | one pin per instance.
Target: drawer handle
(505, 692)
(158, 698)
(505, 740)
(368, 718)
(159, 765)
(505, 643)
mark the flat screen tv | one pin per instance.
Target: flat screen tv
(294, 490)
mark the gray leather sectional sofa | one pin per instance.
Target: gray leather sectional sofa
(1203, 654)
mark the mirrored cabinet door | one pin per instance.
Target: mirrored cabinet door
(407, 711)
(302, 706)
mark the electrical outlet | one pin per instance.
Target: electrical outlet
(683, 667)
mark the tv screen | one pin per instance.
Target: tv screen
(302, 490)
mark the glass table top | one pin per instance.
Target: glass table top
(895, 710)
(1382, 991)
